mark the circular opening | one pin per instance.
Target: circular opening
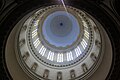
(40, 62)
(44, 36)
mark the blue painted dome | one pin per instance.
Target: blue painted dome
(61, 29)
